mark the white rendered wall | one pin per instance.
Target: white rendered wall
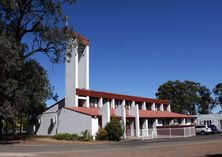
(134, 111)
(73, 122)
(153, 107)
(83, 69)
(94, 126)
(215, 119)
(45, 126)
(120, 111)
(71, 77)
(168, 108)
(104, 111)
(77, 73)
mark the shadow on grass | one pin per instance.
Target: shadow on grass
(214, 155)
(14, 139)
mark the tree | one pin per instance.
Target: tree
(24, 85)
(36, 21)
(114, 130)
(28, 27)
(218, 93)
(186, 97)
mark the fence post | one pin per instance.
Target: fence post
(170, 133)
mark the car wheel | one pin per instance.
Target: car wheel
(202, 132)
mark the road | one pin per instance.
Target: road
(202, 146)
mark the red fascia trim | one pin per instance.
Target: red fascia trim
(79, 111)
(91, 93)
(80, 37)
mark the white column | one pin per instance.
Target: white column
(168, 108)
(145, 128)
(124, 116)
(100, 102)
(87, 101)
(71, 75)
(132, 104)
(172, 122)
(183, 121)
(153, 107)
(161, 107)
(144, 106)
(113, 103)
(154, 128)
(105, 112)
(87, 66)
(134, 111)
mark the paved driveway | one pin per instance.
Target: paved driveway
(200, 146)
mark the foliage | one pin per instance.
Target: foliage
(186, 97)
(74, 137)
(114, 130)
(218, 94)
(24, 85)
(36, 21)
(65, 136)
(85, 136)
(28, 27)
(102, 134)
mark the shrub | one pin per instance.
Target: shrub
(74, 137)
(114, 130)
(101, 134)
(69, 137)
(86, 136)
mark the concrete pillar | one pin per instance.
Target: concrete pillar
(113, 103)
(71, 75)
(124, 116)
(154, 128)
(145, 128)
(87, 102)
(132, 129)
(121, 112)
(144, 106)
(183, 122)
(171, 122)
(100, 102)
(132, 104)
(134, 111)
(105, 112)
(168, 108)
(161, 107)
(153, 107)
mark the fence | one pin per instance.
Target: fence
(171, 132)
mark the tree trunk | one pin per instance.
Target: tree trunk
(20, 128)
(1, 127)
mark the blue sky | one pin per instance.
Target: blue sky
(135, 46)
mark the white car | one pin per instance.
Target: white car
(203, 129)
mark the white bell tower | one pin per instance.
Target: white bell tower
(77, 72)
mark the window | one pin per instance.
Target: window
(164, 107)
(148, 106)
(157, 107)
(207, 122)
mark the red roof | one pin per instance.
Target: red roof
(91, 93)
(81, 38)
(161, 114)
(94, 111)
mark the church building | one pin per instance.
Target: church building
(84, 109)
